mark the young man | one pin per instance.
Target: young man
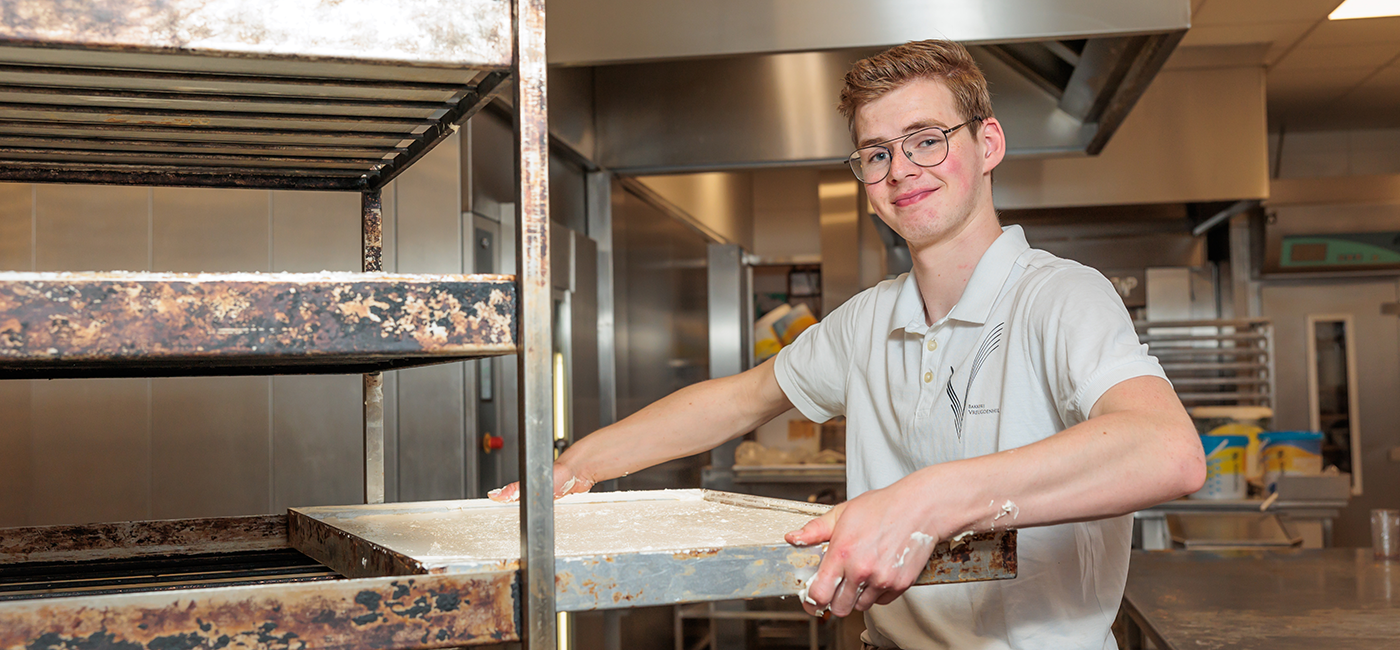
(995, 386)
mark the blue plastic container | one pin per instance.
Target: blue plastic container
(1225, 476)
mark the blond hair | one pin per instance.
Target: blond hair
(946, 61)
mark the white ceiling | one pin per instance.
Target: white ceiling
(1322, 74)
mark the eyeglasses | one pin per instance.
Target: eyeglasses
(925, 148)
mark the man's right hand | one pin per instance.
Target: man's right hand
(565, 482)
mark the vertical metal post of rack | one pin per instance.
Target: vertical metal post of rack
(372, 247)
(535, 324)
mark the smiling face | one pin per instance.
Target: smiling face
(931, 205)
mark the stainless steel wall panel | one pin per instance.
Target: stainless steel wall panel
(567, 196)
(195, 230)
(787, 214)
(492, 166)
(388, 199)
(210, 447)
(571, 115)
(720, 204)
(430, 401)
(16, 453)
(391, 436)
(16, 227)
(471, 437)
(317, 451)
(428, 213)
(315, 231)
(91, 450)
(584, 312)
(320, 231)
(91, 438)
(662, 324)
(600, 231)
(430, 437)
(92, 228)
(599, 31)
(839, 193)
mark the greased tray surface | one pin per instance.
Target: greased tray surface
(612, 549)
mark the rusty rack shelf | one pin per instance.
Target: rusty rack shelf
(243, 587)
(217, 95)
(123, 324)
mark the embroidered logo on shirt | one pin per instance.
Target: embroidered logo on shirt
(958, 404)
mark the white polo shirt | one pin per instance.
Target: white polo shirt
(1032, 344)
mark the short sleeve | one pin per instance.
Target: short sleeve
(1089, 343)
(814, 369)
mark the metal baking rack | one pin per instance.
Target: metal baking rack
(270, 94)
(1215, 362)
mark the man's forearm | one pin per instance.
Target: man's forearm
(1111, 464)
(689, 421)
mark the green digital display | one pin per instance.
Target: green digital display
(1346, 249)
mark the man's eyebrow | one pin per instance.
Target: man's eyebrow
(916, 126)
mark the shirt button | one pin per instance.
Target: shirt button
(932, 345)
(928, 376)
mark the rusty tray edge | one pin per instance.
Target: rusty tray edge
(346, 554)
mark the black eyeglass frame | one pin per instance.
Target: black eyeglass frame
(853, 160)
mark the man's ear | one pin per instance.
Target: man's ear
(993, 144)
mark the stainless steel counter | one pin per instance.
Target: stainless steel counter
(1324, 598)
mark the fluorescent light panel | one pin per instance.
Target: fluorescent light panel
(1365, 9)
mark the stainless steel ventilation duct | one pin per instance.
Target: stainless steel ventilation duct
(680, 85)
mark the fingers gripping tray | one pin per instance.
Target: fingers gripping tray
(617, 549)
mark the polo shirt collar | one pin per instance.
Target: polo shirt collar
(981, 293)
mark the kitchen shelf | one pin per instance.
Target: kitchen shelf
(135, 324)
(269, 94)
(1215, 362)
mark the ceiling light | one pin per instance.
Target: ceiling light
(1365, 9)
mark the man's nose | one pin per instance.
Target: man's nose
(903, 165)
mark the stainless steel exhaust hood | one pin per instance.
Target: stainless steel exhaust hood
(680, 85)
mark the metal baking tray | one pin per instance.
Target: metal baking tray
(619, 549)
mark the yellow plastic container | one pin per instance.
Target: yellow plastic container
(1225, 460)
(1248, 421)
